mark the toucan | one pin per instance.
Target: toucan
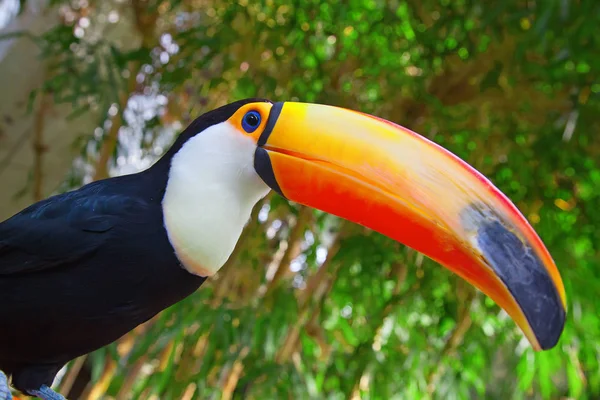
(80, 269)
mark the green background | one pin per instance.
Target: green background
(310, 306)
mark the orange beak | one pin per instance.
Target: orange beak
(396, 182)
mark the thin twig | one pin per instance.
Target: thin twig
(294, 242)
(71, 375)
(14, 150)
(96, 391)
(39, 148)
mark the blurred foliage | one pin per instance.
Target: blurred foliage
(312, 307)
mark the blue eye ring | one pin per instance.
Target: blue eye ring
(251, 121)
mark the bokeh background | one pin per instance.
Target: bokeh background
(310, 306)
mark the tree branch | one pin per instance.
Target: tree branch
(116, 122)
(310, 296)
(466, 293)
(145, 24)
(399, 271)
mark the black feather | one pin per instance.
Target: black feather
(81, 269)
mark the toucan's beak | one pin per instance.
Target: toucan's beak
(387, 178)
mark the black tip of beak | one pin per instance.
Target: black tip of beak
(525, 276)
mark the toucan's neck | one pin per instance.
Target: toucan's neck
(210, 192)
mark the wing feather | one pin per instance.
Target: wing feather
(63, 229)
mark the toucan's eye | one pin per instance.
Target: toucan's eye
(251, 121)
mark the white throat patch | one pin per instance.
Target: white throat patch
(211, 190)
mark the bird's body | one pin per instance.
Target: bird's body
(74, 284)
(81, 269)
